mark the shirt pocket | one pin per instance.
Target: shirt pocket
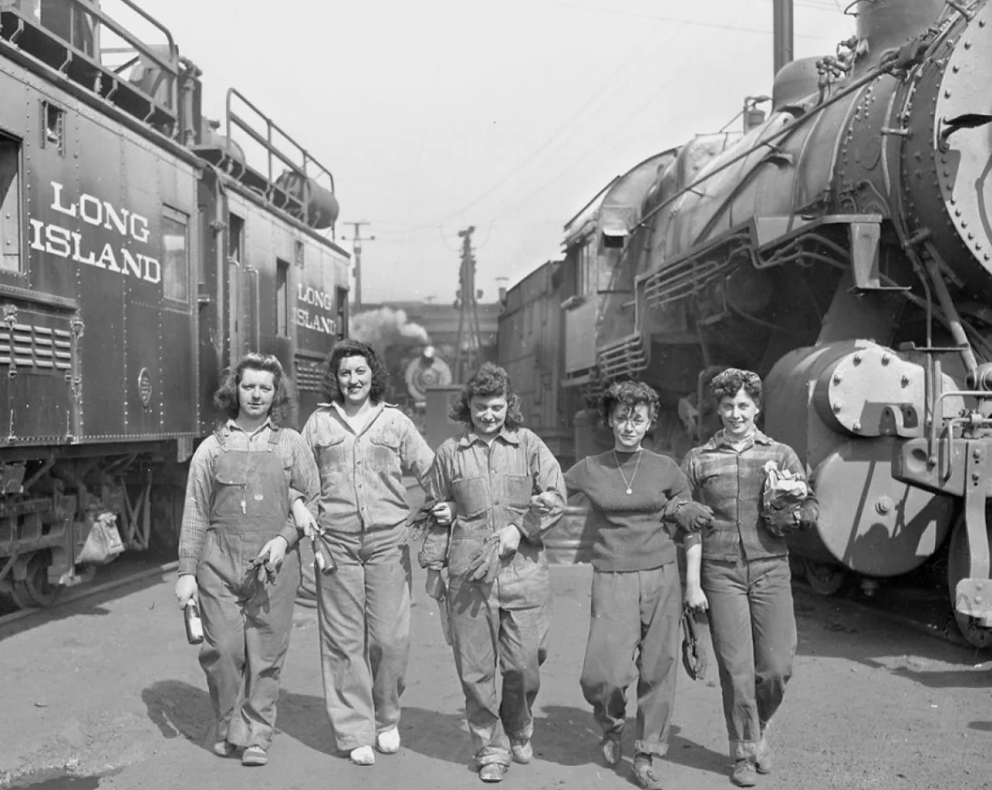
(518, 492)
(386, 447)
(470, 497)
(331, 455)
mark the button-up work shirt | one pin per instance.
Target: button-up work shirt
(361, 474)
(301, 475)
(730, 480)
(491, 485)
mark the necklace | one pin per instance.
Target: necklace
(637, 463)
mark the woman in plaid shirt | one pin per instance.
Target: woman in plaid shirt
(744, 578)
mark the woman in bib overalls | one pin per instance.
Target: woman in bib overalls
(238, 552)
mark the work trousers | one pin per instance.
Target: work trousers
(501, 628)
(246, 629)
(753, 628)
(634, 628)
(363, 610)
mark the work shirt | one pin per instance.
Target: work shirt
(730, 480)
(491, 485)
(361, 475)
(297, 465)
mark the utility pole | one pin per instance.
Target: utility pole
(469, 334)
(356, 246)
(782, 33)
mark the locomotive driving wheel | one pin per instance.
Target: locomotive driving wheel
(958, 568)
(35, 589)
(823, 578)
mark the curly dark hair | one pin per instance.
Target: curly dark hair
(226, 397)
(729, 382)
(489, 381)
(354, 348)
(632, 394)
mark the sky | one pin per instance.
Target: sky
(508, 116)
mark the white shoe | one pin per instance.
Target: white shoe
(388, 741)
(363, 755)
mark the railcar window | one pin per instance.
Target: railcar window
(298, 253)
(235, 237)
(53, 129)
(282, 298)
(10, 205)
(175, 255)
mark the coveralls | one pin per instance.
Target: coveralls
(745, 575)
(363, 607)
(246, 623)
(505, 624)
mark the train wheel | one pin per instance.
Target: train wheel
(823, 578)
(958, 568)
(36, 590)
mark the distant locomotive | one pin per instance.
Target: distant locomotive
(141, 253)
(842, 249)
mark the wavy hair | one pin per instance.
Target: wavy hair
(727, 383)
(226, 397)
(354, 348)
(632, 394)
(489, 381)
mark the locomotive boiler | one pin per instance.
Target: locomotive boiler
(142, 252)
(843, 249)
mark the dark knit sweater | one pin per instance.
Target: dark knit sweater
(630, 535)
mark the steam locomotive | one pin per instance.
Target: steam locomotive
(841, 248)
(142, 251)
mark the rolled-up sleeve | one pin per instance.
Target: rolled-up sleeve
(546, 473)
(304, 483)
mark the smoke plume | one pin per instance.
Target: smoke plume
(385, 328)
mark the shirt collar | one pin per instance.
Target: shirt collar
(470, 437)
(232, 425)
(720, 440)
(338, 409)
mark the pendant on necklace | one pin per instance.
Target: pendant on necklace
(629, 491)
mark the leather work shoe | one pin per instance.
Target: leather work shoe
(521, 750)
(224, 749)
(253, 756)
(744, 773)
(644, 773)
(492, 772)
(611, 750)
(388, 741)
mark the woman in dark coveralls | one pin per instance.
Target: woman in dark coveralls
(744, 578)
(238, 503)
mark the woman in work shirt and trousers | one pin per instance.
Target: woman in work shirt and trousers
(243, 482)
(362, 446)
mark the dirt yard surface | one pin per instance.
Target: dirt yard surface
(105, 693)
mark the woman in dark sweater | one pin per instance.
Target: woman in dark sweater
(636, 593)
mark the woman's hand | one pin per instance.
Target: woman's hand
(186, 588)
(693, 517)
(444, 513)
(695, 598)
(543, 503)
(305, 520)
(509, 540)
(274, 552)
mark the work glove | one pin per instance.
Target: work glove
(264, 570)
(693, 517)
(792, 518)
(484, 563)
(693, 654)
(420, 524)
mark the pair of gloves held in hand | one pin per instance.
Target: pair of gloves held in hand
(694, 517)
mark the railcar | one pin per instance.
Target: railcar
(143, 251)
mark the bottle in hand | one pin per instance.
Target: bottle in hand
(194, 626)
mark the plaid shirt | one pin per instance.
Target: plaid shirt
(301, 475)
(730, 480)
